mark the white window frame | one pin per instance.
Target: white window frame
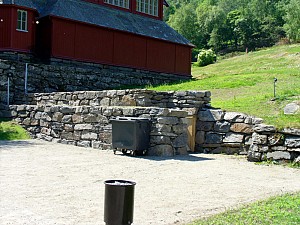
(149, 7)
(22, 20)
(120, 3)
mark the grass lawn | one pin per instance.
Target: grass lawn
(246, 83)
(281, 210)
(12, 131)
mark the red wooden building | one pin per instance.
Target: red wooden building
(127, 33)
(17, 26)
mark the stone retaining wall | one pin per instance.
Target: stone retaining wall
(135, 97)
(269, 144)
(89, 126)
(64, 75)
(82, 118)
(219, 131)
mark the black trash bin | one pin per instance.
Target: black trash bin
(131, 133)
(119, 202)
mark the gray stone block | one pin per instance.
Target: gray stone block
(179, 129)
(67, 110)
(83, 127)
(233, 138)
(180, 141)
(254, 156)
(200, 137)
(163, 128)
(292, 141)
(157, 140)
(223, 126)
(67, 135)
(210, 115)
(279, 148)
(259, 139)
(253, 120)
(235, 117)
(291, 131)
(177, 113)
(67, 119)
(293, 149)
(278, 155)
(263, 149)
(89, 135)
(181, 150)
(205, 126)
(168, 120)
(85, 144)
(263, 128)
(213, 138)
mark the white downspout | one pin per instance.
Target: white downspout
(26, 78)
(8, 84)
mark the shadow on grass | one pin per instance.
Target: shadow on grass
(151, 85)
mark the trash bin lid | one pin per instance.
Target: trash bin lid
(119, 183)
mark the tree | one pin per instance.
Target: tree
(292, 19)
(184, 20)
(235, 24)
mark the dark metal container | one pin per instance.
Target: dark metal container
(130, 133)
(119, 202)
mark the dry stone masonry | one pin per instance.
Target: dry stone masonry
(83, 118)
(269, 144)
(135, 97)
(219, 131)
(89, 126)
(62, 75)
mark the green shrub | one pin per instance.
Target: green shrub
(206, 57)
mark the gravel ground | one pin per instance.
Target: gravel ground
(45, 183)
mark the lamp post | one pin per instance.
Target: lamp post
(275, 80)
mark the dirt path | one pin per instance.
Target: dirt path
(44, 184)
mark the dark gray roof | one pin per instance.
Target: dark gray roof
(25, 3)
(111, 18)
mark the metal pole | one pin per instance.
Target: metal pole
(26, 77)
(8, 91)
(275, 80)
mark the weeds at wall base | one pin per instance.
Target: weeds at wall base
(284, 163)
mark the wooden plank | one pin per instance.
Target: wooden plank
(191, 131)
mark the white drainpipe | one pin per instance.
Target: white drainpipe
(8, 84)
(26, 77)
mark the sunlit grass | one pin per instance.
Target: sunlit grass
(283, 210)
(246, 83)
(10, 130)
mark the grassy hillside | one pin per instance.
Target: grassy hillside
(245, 83)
